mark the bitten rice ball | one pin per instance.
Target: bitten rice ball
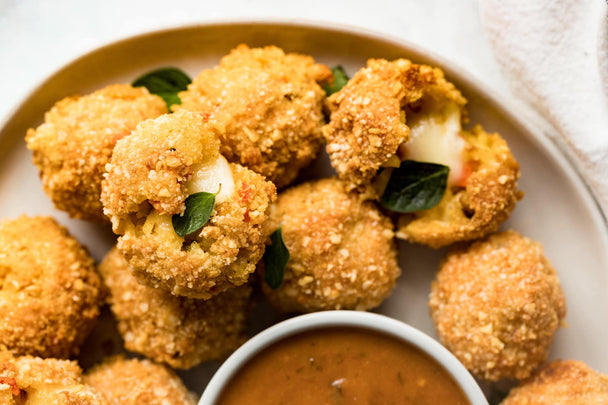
(150, 176)
(271, 105)
(342, 252)
(561, 383)
(178, 331)
(49, 290)
(135, 382)
(35, 381)
(476, 206)
(368, 119)
(73, 145)
(390, 112)
(496, 306)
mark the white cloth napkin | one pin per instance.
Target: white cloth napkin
(554, 54)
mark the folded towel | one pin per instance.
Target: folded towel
(554, 54)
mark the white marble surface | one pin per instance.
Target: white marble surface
(39, 36)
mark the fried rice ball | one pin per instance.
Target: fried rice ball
(134, 382)
(342, 251)
(151, 174)
(393, 111)
(49, 290)
(477, 206)
(561, 382)
(496, 305)
(271, 105)
(35, 381)
(178, 331)
(73, 145)
(368, 119)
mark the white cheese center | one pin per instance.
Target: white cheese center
(435, 137)
(211, 177)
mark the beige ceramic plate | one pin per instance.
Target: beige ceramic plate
(557, 210)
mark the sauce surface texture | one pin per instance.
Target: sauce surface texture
(341, 366)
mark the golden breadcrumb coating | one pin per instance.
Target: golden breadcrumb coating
(369, 128)
(271, 105)
(49, 290)
(147, 183)
(73, 145)
(35, 381)
(486, 201)
(561, 382)
(150, 168)
(496, 306)
(135, 382)
(178, 331)
(342, 251)
(368, 121)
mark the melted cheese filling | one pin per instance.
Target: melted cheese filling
(211, 177)
(156, 222)
(208, 177)
(435, 137)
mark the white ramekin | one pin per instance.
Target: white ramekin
(363, 320)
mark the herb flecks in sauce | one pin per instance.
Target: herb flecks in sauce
(392, 372)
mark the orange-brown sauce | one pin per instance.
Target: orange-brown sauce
(342, 366)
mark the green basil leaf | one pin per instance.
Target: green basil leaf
(165, 83)
(340, 80)
(275, 259)
(415, 186)
(199, 207)
(170, 99)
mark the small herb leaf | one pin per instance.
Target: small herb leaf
(415, 186)
(340, 80)
(170, 99)
(199, 207)
(165, 83)
(275, 259)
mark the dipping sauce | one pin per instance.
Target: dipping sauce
(342, 366)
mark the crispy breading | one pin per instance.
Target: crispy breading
(178, 331)
(561, 382)
(150, 168)
(147, 183)
(135, 382)
(368, 122)
(497, 304)
(271, 105)
(73, 145)
(486, 201)
(35, 381)
(342, 251)
(49, 290)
